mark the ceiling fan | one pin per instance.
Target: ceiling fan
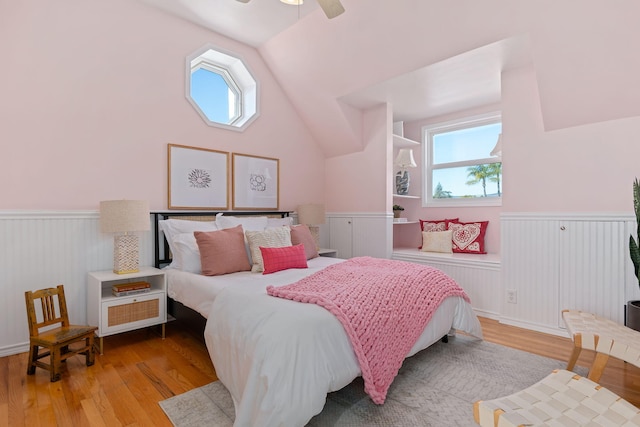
(331, 8)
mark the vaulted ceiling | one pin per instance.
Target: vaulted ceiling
(428, 58)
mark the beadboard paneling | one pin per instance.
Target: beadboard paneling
(479, 276)
(44, 249)
(557, 262)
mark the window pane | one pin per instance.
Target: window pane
(211, 92)
(469, 181)
(465, 144)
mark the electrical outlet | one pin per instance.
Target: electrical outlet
(512, 296)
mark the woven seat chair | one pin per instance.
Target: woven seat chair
(57, 340)
(561, 399)
(604, 336)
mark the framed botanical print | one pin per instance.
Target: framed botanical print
(198, 178)
(255, 182)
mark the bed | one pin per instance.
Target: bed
(277, 357)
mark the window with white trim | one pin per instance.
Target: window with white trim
(221, 89)
(463, 164)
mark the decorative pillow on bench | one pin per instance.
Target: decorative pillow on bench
(437, 241)
(468, 237)
(431, 225)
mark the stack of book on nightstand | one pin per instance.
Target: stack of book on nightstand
(132, 288)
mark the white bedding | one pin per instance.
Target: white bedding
(279, 358)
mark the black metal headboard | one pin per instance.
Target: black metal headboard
(162, 255)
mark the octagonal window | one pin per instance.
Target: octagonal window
(221, 89)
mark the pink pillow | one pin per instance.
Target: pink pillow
(222, 251)
(434, 225)
(283, 258)
(301, 235)
(468, 237)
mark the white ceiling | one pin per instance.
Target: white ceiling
(252, 23)
(468, 80)
(465, 81)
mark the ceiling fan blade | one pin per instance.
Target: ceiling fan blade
(331, 8)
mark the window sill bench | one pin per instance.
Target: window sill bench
(490, 261)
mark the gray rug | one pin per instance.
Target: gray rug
(436, 387)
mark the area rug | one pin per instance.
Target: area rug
(436, 387)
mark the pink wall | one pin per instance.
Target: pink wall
(587, 168)
(92, 93)
(583, 52)
(358, 182)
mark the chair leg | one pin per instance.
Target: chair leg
(597, 368)
(55, 364)
(33, 356)
(64, 350)
(573, 358)
(91, 352)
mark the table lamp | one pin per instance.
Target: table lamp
(124, 217)
(312, 215)
(404, 160)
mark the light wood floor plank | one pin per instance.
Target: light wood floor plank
(92, 412)
(15, 395)
(4, 390)
(139, 369)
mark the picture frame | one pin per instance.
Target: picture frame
(256, 182)
(198, 178)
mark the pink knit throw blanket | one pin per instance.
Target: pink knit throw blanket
(383, 305)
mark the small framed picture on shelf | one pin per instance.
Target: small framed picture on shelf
(198, 178)
(255, 182)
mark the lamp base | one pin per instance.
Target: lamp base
(315, 233)
(126, 257)
(402, 183)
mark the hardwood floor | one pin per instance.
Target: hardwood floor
(139, 369)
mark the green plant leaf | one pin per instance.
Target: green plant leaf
(634, 251)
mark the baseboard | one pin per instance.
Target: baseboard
(534, 327)
(14, 349)
(487, 314)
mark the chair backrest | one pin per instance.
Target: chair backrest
(50, 315)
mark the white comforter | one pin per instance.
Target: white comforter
(280, 358)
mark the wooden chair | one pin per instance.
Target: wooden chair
(56, 340)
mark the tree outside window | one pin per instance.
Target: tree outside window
(460, 170)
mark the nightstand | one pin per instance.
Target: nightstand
(331, 253)
(114, 314)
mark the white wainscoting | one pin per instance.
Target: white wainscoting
(565, 261)
(478, 275)
(360, 234)
(552, 261)
(586, 266)
(43, 249)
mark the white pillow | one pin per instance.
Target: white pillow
(437, 241)
(250, 223)
(173, 227)
(275, 237)
(186, 253)
(280, 222)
